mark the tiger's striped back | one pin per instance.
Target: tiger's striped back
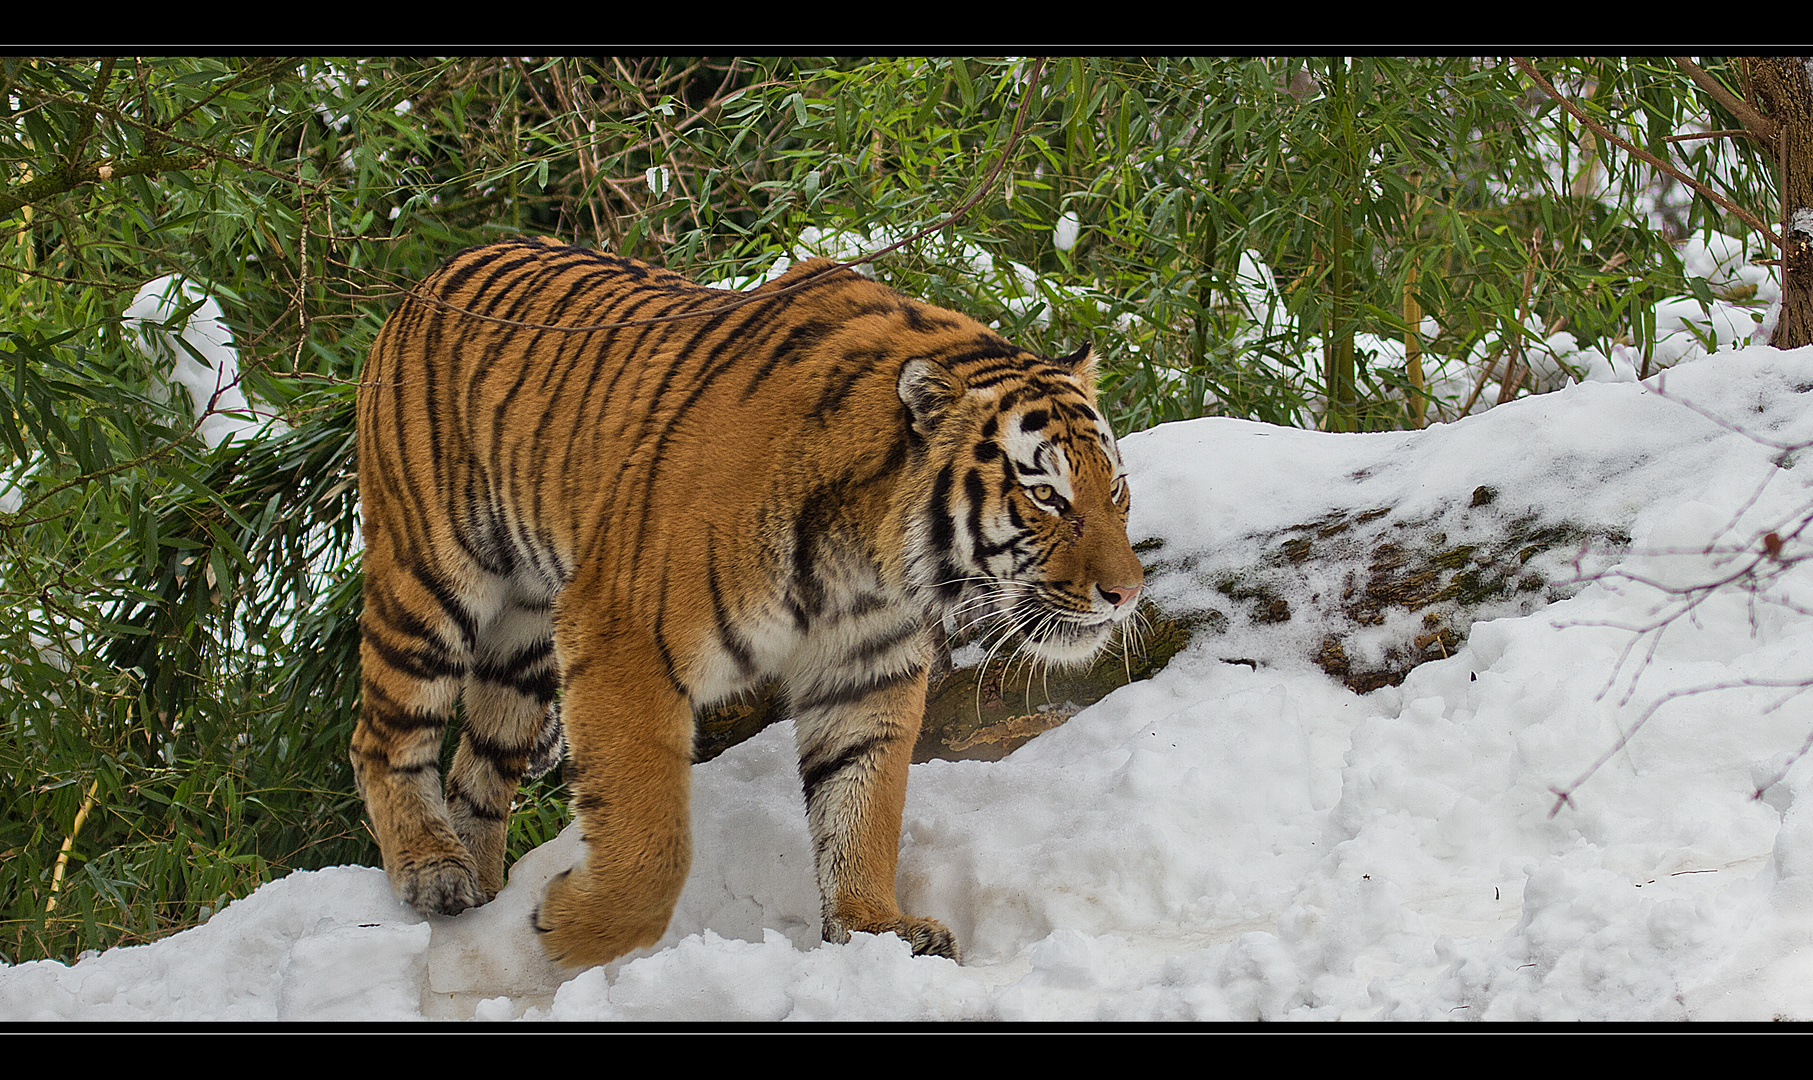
(650, 517)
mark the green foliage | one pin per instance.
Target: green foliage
(180, 621)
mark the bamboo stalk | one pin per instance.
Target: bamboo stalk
(56, 876)
(1413, 320)
(1343, 398)
(1514, 369)
(1413, 350)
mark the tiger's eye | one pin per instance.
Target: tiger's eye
(1044, 492)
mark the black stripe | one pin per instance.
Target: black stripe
(797, 341)
(950, 579)
(503, 668)
(487, 295)
(843, 380)
(391, 718)
(444, 595)
(986, 348)
(479, 810)
(850, 693)
(1035, 389)
(727, 635)
(463, 266)
(874, 647)
(867, 602)
(941, 526)
(923, 319)
(977, 495)
(507, 760)
(814, 776)
(818, 516)
(539, 685)
(425, 664)
(669, 664)
(590, 803)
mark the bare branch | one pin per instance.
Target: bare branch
(1723, 133)
(1795, 687)
(1754, 122)
(1754, 561)
(1661, 391)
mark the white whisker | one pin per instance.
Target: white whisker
(988, 656)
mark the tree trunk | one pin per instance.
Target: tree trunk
(1780, 86)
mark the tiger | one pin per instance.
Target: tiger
(587, 536)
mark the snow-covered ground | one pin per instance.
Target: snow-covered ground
(1242, 841)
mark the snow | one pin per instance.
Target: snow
(202, 361)
(1243, 841)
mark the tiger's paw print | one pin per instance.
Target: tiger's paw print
(441, 885)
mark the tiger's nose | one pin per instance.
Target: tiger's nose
(1118, 594)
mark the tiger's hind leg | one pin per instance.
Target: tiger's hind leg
(629, 731)
(855, 744)
(416, 642)
(510, 724)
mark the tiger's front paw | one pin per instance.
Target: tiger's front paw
(928, 937)
(439, 885)
(579, 929)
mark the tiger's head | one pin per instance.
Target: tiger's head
(1025, 516)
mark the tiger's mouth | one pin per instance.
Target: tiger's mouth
(1054, 632)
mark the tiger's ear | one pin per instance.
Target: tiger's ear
(1081, 364)
(927, 389)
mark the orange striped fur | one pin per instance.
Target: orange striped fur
(604, 531)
